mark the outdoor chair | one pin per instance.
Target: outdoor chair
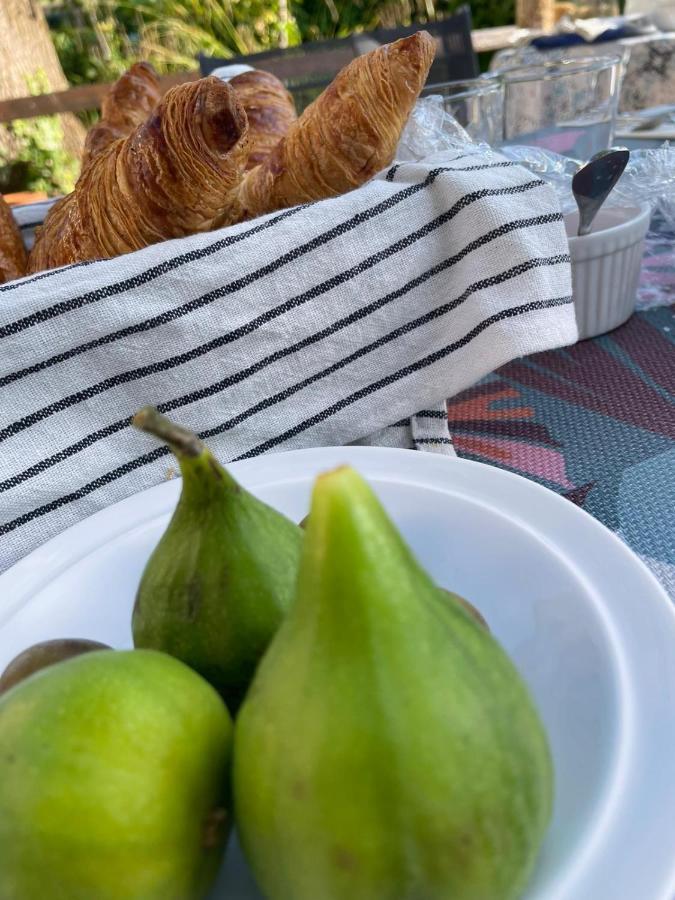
(308, 68)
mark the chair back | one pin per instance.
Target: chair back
(308, 68)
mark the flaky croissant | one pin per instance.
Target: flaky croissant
(348, 134)
(12, 250)
(127, 104)
(269, 109)
(171, 177)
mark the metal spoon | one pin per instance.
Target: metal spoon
(592, 183)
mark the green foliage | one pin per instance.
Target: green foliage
(34, 158)
(98, 39)
(175, 31)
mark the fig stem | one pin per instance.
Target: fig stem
(181, 441)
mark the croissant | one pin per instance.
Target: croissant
(12, 250)
(171, 177)
(127, 104)
(269, 108)
(346, 135)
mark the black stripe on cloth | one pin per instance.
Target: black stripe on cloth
(505, 164)
(31, 279)
(51, 312)
(211, 296)
(502, 164)
(251, 326)
(431, 414)
(158, 452)
(168, 265)
(177, 312)
(142, 278)
(432, 440)
(403, 373)
(31, 224)
(402, 423)
(363, 312)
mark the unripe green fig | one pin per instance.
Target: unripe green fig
(219, 582)
(114, 781)
(449, 594)
(388, 748)
(42, 655)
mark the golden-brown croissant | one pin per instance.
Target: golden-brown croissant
(12, 250)
(348, 134)
(127, 104)
(171, 177)
(269, 109)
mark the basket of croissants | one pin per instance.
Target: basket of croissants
(212, 153)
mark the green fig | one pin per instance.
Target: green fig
(219, 582)
(465, 603)
(388, 748)
(114, 781)
(42, 655)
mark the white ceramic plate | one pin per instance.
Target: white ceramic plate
(587, 625)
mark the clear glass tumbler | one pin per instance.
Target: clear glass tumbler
(565, 105)
(477, 104)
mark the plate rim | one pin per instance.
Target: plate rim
(447, 474)
(22, 574)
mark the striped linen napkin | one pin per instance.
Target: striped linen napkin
(325, 324)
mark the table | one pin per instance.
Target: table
(594, 422)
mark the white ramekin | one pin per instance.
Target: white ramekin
(606, 267)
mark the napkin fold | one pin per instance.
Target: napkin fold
(323, 324)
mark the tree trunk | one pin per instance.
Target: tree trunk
(538, 14)
(28, 56)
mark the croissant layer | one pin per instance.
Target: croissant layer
(269, 108)
(348, 134)
(127, 104)
(12, 251)
(172, 176)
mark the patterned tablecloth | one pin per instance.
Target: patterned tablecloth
(594, 422)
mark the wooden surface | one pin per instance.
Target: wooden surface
(89, 96)
(535, 14)
(23, 197)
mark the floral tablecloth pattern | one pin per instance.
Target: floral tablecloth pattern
(594, 422)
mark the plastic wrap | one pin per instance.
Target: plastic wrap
(649, 178)
(432, 132)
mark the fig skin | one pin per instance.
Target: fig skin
(469, 607)
(114, 781)
(42, 655)
(388, 747)
(221, 578)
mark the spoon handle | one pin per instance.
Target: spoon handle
(584, 227)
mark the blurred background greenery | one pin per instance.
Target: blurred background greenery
(96, 40)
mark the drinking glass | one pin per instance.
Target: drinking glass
(565, 105)
(477, 104)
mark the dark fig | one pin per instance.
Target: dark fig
(42, 655)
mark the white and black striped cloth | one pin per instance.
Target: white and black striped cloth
(319, 325)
